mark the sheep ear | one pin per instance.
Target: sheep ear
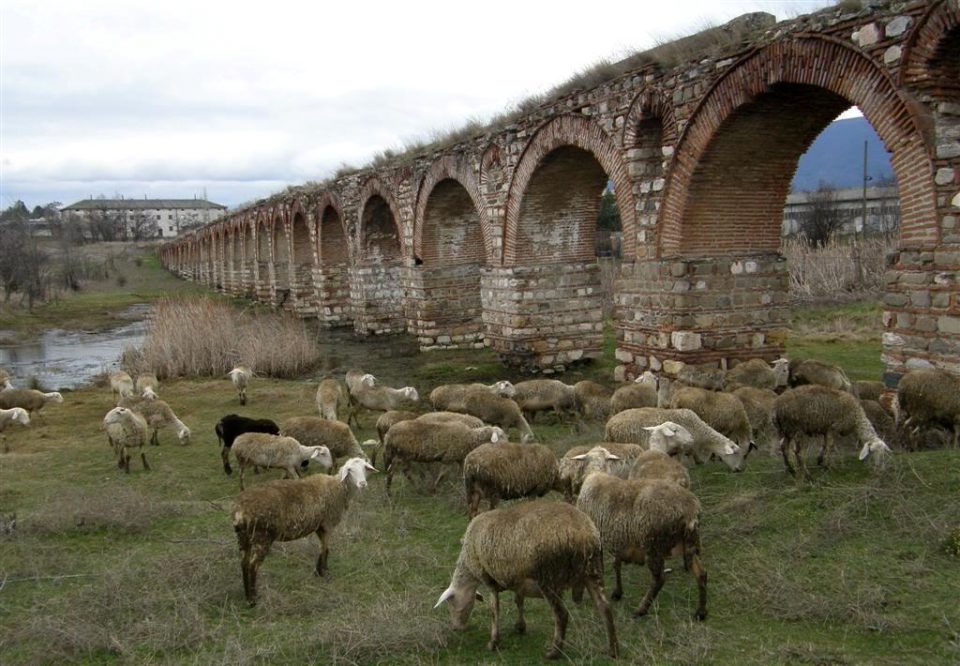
(728, 450)
(447, 593)
(367, 466)
(582, 456)
(865, 451)
(478, 596)
(612, 456)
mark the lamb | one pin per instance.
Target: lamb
(121, 384)
(381, 398)
(654, 464)
(126, 430)
(415, 441)
(721, 411)
(28, 399)
(536, 548)
(316, 431)
(231, 426)
(926, 397)
(869, 390)
(158, 415)
(332, 400)
(146, 381)
(631, 426)
(757, 373)
(288, 510)
(286, 453)
(537, 395)
(241, 376)
(758, 404)
(592, 399)
(815, 410)
(507, 471)
(810, 371)
(644, 521)
(15, 415)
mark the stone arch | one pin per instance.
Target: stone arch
(380, 237)
(329, 207)
(932, 53)
(567, 134)
(281, 248)
(334, 252)
(467, 212)
(751, 128)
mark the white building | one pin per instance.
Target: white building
(172, 216)
(883, 209)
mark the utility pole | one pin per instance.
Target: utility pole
(863, 223)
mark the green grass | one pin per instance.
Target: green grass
(104, 567)
(847, 335)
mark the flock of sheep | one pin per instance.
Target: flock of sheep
(628, 497)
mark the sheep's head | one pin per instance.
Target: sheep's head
(732, 454)
(670, 438)
(597, 459)
(356, 469)
(781, 370)
(184, 435)
(647, 378)
(115, 415)
(497, 435)
(875, 447)
(368, 380)
(53, 397)
(409, 393)
(148, 394)
(460, 600)
(321, 455)
(20, 415)
(504, 388)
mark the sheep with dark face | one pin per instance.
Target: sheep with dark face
(288, 510)
(231, 426)
(819, 411)
(534, 549)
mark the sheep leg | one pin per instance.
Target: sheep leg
(696, 566)
(560, 618)
(595, 587)
(250, 564)
(154, 437)
(243, 471)
(617, 593)
(389, 480)
(473, 501)
(655, 564)
(495, 620)
(322, 557)
(243, 397)
(126, 461)
(143, 458)
(225, 457)
(521, 625)
(799, 461)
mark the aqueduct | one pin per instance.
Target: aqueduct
(491, 240)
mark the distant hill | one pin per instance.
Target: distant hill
(836, 157)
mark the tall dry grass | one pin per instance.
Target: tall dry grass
(830, 273)
(193, 337)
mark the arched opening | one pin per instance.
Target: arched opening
(376, 289)
(265, 268)
(451, 228)
(381, 244)
(248, 251)
(334, 264)
(281, 260)
(302, 268)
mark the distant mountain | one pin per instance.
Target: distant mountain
(836, 157)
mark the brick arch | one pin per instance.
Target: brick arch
(649, 105)
(568, 132)
(932, 53)
(458, 171)
(326, 204)
(264, 232)
(739, 152)
(370, 191)
(301, 235)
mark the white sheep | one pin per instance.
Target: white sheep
(380, 398)
(121, 384)
(241, 376)
(8, 416)
(537, 395)
(332, 401)
(158, 414)
(147, 380)
(126, 430)
(29, 399)
(288, 510)
(262, 449)
(644, 521)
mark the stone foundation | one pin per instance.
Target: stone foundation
(443, 307)
(376, 297)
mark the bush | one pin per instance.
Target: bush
(201, 337)
(829, 271)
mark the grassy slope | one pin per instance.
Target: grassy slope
(107, 567)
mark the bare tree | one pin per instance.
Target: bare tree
(822, 217)
(22, 263)
(143, 225)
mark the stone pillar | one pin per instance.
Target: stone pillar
(303, 291)
(333, 294)
(702, 311)
(543, 318)
(444, 307)
(376, 298)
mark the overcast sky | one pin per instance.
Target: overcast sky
(167, 98)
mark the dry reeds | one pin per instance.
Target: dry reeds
(830, 272)
(196, 337)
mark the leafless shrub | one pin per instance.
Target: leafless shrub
(201, 337)
(830, 270)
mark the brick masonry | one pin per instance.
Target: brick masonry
(491, 240)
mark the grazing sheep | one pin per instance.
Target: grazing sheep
(265, 450)
(288, 510)
(231, 426)
(381, 398)
(632, 426)
(644, 521)
(148, 394)
(654, 464)
(815, 410)
(121, 384)
(496, 410)
(241, 376)
(927, 397)
(537, 395)
(703, 377)
(758, 404)
(316, 431)
(571, 470)
(355, 380)
(28, 399)
(506, 470)
(387, 419)
(415, 441)
(158, 415)
(8, 416)
(592, 399)
(147, 380)
(810, 371)
(533, 549)
(869, 389)
(451, 417)
(448, 396)
(126, 430)
(721, 411)
(757, 373)
(631, 396)
(880, 419)
(332, 400)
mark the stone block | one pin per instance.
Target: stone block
(620, 373)
(624, 356)
(866, 35)
(672, 367)
(944, 176)
(898, 26)
(686, 340)
(949, 325)
(892, 55)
